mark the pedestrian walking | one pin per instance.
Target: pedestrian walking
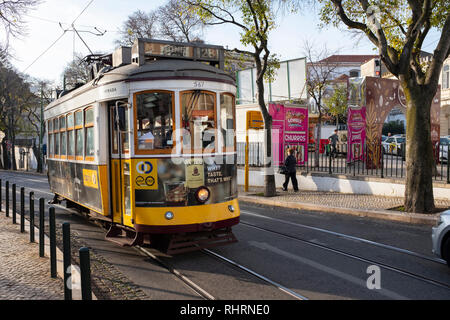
(334, 138)
(291, 171)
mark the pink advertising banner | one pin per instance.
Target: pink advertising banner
(356, 123)
(290, 125)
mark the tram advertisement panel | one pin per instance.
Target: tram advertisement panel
(178, 179)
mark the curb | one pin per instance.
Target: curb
(412, 218)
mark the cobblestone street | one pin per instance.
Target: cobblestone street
(23, 275)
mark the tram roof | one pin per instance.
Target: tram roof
(169, 69)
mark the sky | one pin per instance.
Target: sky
(43, 25)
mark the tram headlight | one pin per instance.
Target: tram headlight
(169, 215)
(202, 194)
(231, 208)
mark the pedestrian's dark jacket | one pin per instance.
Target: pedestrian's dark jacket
(334, 139)
(290, 164)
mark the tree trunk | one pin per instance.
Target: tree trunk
(269, 173)
(419, 151)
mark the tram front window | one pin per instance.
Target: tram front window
(154, 120)
(198, 113)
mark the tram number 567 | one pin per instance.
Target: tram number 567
(199, 84)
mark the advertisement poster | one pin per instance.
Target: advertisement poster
(356, 123)
(290, 130)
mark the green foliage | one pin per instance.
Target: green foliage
(336, 104)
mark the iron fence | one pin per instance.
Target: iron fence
(380, 160)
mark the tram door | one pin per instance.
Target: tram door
(120, 196)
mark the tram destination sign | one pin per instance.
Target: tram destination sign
(151, 49)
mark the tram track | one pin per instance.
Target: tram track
(353, 256)
(349, 237)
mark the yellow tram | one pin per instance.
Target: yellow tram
(148, 145)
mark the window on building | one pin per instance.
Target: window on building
(198, 119)
(446, 77)
(354, 73)
(227, 110)
(154, 121)
(89, 133)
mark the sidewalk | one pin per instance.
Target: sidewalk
(354, 204)
(23, 275)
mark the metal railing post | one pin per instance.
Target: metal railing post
(14, 203)
(22, 209)
(85, 271)
(41, 228)
(31, 209)
(67, 261)
(7, 198)
(53, 270)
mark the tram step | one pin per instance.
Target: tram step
(200, 240)
(124, 238)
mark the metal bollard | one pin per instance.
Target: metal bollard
(31, 208)
(22, 209)
(67, 261)
(1, 195)
(14, 204)
(7, 198)
(53, 271)
(41, 228)
(85, 271)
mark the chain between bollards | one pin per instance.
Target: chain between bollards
(85, 271)
(53, 271)
(67, 261)
(31, 208)
(41, 228)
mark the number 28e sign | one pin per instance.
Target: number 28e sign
(145, 174)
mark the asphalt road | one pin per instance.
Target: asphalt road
(310, 255)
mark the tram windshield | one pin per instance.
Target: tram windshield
(198, 114)
(154, 120)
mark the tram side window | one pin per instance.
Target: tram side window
(50, 137)
(63, 144)
(198, 115)
(154, 120)
(56, 136)
(227, 120)
(70, 136)
(79, 139)
(89, 132)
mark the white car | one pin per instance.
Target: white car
(394, 144)
(440, 237)
(444, 145)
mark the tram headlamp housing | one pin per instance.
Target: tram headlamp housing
(231, 208)
(202, 194)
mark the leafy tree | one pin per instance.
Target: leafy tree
(320, 72)
(336, 103)
(398, 28)
(138, 25)
(76, 71)
(255, 19)
(178, 22)
(11, 17)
